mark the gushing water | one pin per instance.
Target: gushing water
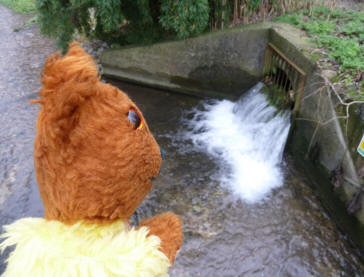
(248, 138)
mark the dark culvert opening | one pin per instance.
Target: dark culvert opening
(285, 79)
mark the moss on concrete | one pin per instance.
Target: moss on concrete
(319, 177)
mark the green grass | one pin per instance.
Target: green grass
(341, 34)
(20, 6)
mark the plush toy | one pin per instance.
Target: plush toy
(95, 160)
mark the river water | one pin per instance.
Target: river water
(287, 233)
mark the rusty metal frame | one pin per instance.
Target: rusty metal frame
(274, 56)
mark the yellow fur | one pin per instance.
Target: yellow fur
(50, 248)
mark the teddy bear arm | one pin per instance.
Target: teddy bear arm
(168, 227)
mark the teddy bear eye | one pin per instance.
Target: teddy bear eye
(134, 118)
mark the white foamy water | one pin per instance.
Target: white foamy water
(248, 138)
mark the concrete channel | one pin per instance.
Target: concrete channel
(226, 63)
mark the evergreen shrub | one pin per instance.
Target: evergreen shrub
(122, 21)
(145, 21)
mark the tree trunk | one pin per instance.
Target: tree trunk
(236, 14)
(223, 14)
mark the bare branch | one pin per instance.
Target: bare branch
(330, 88)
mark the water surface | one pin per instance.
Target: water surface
(286, 234)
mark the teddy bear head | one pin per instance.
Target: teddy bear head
(94, 155)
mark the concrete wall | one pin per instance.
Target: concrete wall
(318, 140)
(220, 64)
(320, 146)
(225, 64)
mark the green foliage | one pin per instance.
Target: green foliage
(55, 20)
(293, 19)
(108, 15)
(141, 24)
(319, 27)
(147, 21)
(253, 5)
(338, 13)
(20, 6)
(321, 11)
(347, 52)
(276, 97)
(219, 13)
(184, 17)
(355, 15)
(341, 33)
(122, 21)
(353, 28)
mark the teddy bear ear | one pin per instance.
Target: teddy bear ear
(75, 66)
(67, 82)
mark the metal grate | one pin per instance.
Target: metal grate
(284, 75)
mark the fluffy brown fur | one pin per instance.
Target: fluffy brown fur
(91, 163)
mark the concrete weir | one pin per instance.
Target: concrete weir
(223, 64)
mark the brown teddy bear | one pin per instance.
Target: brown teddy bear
(95, 160)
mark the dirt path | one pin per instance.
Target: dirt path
(22, 55)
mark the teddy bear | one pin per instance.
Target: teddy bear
(95, 160)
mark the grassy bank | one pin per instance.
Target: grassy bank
(20, 6)
(339, 37)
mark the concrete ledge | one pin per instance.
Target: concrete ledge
(162, 83)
